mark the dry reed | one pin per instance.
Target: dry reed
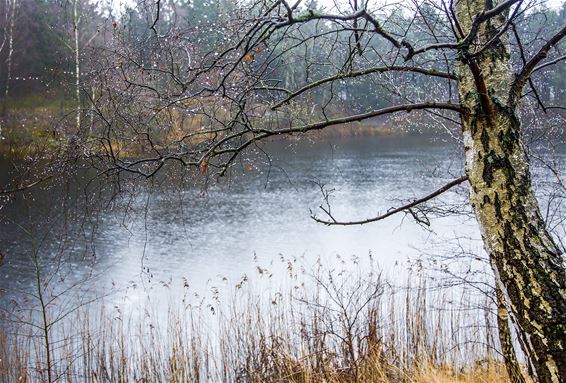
(324, 326)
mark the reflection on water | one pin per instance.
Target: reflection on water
(195, 236)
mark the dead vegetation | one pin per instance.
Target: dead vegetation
(324, 326)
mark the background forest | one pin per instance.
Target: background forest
(50, 56)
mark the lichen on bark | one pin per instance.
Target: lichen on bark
(525, 259)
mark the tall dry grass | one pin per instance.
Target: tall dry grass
(320, 326)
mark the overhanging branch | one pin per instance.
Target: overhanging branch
(260, 134)
(334, 222)
(341, 76)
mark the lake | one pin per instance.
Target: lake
(203, 236)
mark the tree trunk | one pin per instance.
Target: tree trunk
(10, 47)
(511, 363)
(527, 263)
(76, 20)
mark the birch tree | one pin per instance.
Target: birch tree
(77, 54)
(11, 8)
(82, 37)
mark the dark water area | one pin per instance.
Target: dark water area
(160, 236)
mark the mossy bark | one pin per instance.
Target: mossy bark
(526, 261)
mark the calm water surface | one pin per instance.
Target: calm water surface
(196, 237)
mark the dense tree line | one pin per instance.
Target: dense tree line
(40, 58)
(37, 47)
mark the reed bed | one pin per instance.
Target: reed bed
(318, 326)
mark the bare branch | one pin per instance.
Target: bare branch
(156, 17)
(549, 63)
(407, 207)
(528, 69)
(341, 76)
(21, 188)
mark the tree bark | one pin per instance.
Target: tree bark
(526, 261)
(506, 341)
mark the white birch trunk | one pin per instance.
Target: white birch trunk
(10, 47)
(76, 20)
(528, 265)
